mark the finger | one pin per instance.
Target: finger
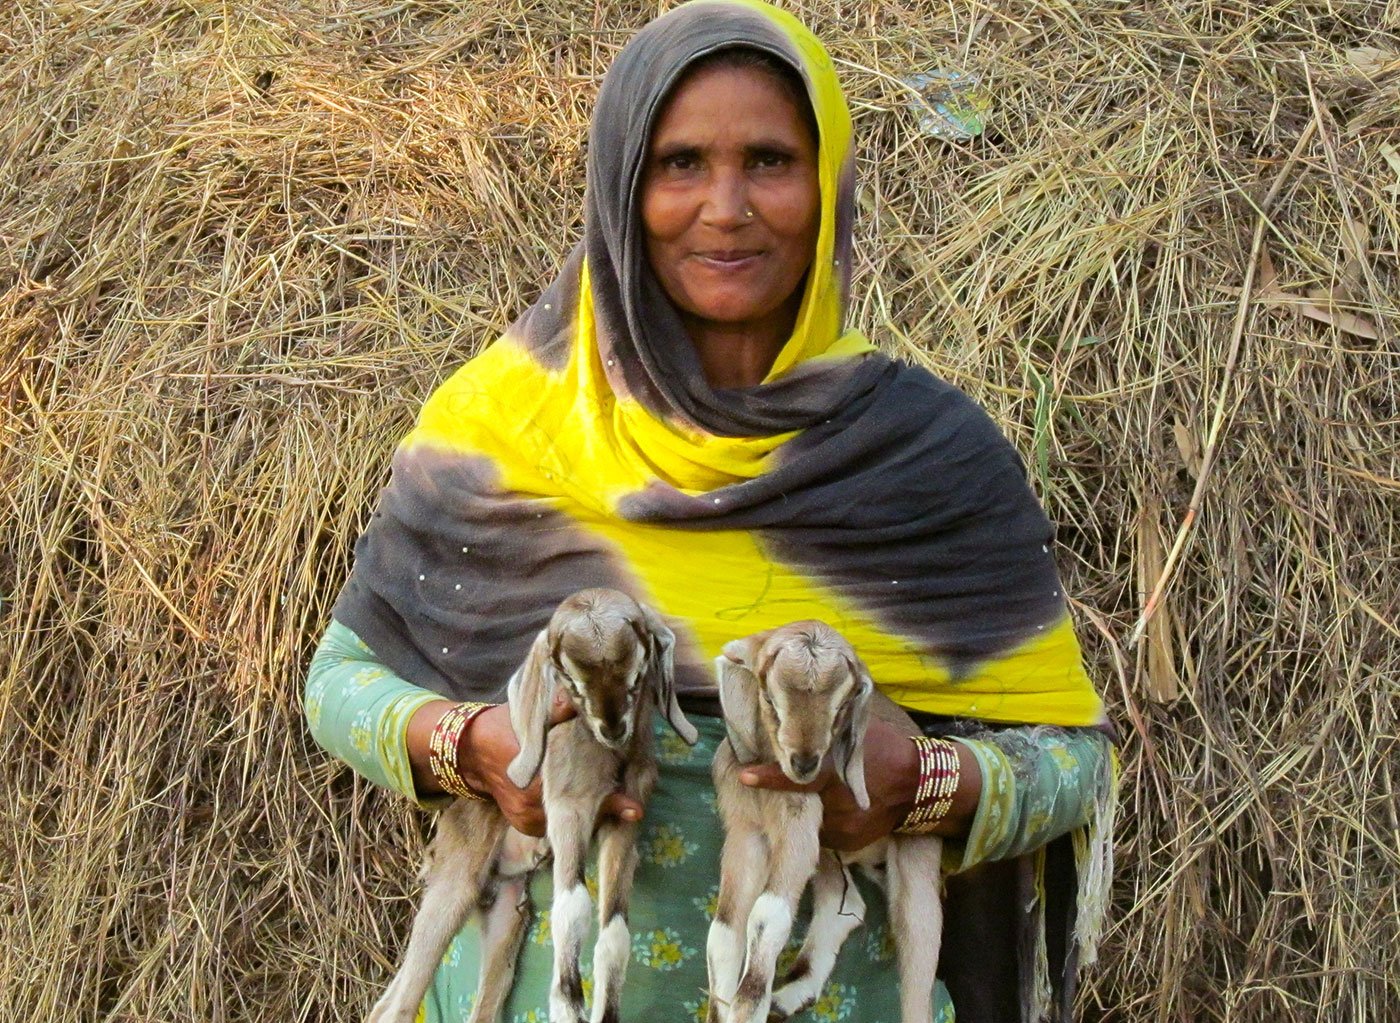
(770, 776)
(622, 807)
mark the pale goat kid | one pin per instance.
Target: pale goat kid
(614, 659)
(790, 695)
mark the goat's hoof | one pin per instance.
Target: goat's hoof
(782, 1008)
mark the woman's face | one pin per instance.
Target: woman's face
(730, 202)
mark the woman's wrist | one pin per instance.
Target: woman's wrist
(947, 788)
(899, 765)
(440, 749)
(487, 749)
(445, 749)
(939, 772)
(895, 776)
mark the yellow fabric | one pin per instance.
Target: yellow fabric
(562, 438)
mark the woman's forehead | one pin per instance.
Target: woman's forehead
(722, 103)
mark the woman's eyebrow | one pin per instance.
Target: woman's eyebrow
(782, 148)
(767, 143)
(665, 150)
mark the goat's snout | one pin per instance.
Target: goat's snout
(610, 717)
(804, 767)
(614, 733)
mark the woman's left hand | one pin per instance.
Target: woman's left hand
(891, 779)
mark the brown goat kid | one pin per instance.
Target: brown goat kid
(791, 696)
(614, 659)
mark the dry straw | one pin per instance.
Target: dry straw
(240, 241)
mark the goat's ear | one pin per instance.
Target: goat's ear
(848, 749)
(531, 691)
(745, 650)
(661, 672)
(738, 700)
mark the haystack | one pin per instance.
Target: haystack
(239, 242)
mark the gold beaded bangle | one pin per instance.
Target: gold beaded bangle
(939, 773)
(443, 749)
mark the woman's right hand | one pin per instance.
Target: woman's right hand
(487, 749)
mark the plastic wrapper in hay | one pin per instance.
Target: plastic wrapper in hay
(950, 105)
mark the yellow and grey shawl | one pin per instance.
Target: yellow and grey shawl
(585, 448)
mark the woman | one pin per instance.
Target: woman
(683, 415)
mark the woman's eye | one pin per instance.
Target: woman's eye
(770, 159)
(680, 162)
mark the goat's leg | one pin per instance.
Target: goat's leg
(770, 920)
(462, 853)
(617, 861)
(837, 910)
(743, 872)
(570, 828)
(502, 926)
(916, 920)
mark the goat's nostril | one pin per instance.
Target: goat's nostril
(806, 766)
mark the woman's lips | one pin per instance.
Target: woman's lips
(728, 260)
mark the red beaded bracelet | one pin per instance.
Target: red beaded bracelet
(443, 749)
(939, 773)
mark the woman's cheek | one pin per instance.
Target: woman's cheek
(793, 208)
(665, 213)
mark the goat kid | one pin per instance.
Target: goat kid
(614, 658)
(790, 696)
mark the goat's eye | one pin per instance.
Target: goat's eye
(563, 678)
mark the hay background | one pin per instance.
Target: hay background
(240, 242)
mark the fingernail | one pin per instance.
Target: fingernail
(631, 815)
(748, 777)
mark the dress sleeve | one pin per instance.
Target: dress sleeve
(358, 711)
(1038, 783)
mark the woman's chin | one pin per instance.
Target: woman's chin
(732, 312)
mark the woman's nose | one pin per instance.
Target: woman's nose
(726, 202)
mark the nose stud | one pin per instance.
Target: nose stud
(748, 212)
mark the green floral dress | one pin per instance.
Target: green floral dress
(1038, 783)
